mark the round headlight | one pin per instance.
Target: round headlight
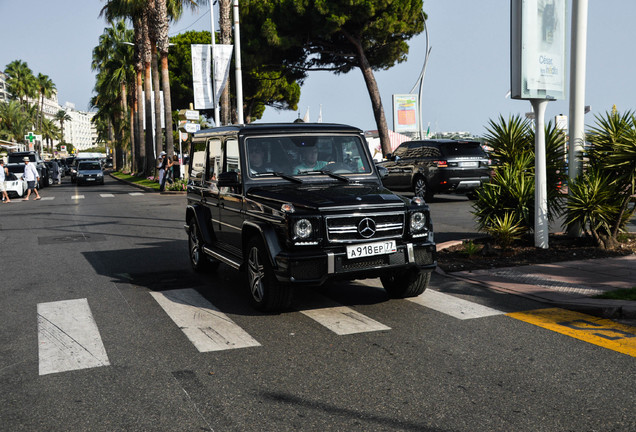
(302, 229)
(418, 221)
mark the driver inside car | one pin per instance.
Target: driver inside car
(310, 160)
(257, 158)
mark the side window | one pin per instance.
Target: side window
(214, 159)
(231, 157)
(197, 161)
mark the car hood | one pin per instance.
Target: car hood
(324, 196)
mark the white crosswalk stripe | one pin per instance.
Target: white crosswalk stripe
(77, 197)
(135, 193)
(106, 195)
(343, 320)
(68, 337)
(453, 306)
(48, 198)
(207, 328)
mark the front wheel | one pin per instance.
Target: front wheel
(266, 292)
(401, 284)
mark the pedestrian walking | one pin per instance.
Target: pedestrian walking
(4, 173)
(55, 172)
(31, 176)
(164, 170)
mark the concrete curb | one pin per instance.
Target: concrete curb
(605, 308)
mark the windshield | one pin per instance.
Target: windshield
(89, 166)
(20, 158)
(305, 155)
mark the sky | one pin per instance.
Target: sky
(467, 76)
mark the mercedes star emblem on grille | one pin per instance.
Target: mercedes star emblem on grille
(366, 227)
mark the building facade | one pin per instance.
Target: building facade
(80, 130)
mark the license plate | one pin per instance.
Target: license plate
(469, 164)
(370, 249)
(90, 179)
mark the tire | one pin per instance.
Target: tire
(199, 261)
(401, 284)
(420, 188)
(266, 293)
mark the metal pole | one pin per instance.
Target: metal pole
(237, 65)
(577, 94)
(216, 105)
(541, 223)
(420, 80)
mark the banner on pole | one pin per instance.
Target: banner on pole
(222, 58)
(202, 76)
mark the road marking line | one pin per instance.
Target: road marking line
(68, 337)
(343, 320)
(597, 331)
(106, 195)
(453, 306)
(48, 198)
(77, 196)
(135, 193)
(207, 328)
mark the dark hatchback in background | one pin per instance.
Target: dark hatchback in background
(430, 167)
(89, 172)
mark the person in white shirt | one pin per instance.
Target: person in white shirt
(3, 178)
(31, 176)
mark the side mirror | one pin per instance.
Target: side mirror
(383, 171)
(228, 179)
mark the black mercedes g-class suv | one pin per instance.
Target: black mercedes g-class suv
(429, 167)
(298, 204)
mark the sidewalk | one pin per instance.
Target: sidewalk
(569, 284)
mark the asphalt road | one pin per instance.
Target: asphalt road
(98, 302)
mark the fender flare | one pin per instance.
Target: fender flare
(267, 234)
(199, 213)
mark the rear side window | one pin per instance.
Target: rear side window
(463, 149)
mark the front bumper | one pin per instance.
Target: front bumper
(314, 268)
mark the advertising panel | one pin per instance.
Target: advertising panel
(405, 113)
(538, 36)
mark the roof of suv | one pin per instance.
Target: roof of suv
(268, 128)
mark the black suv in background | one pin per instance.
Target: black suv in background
(299, 204)
(430, 167)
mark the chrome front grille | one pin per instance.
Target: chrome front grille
(346, 228)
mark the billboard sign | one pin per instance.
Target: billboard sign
(538, 37)
(406, 113)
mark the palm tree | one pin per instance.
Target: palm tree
(50, 132)
(21, 82)
(14, 123)
(167, 10)
(61, 116)
(46, 87)
(112, 58)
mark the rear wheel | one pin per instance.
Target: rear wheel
(198, 259)
(401, 284)
(266, 292)
(420, 188)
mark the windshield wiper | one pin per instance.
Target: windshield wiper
(329, 173)
(279, 174)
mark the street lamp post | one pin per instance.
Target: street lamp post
(420, 80)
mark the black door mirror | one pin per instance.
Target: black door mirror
(228, 179)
